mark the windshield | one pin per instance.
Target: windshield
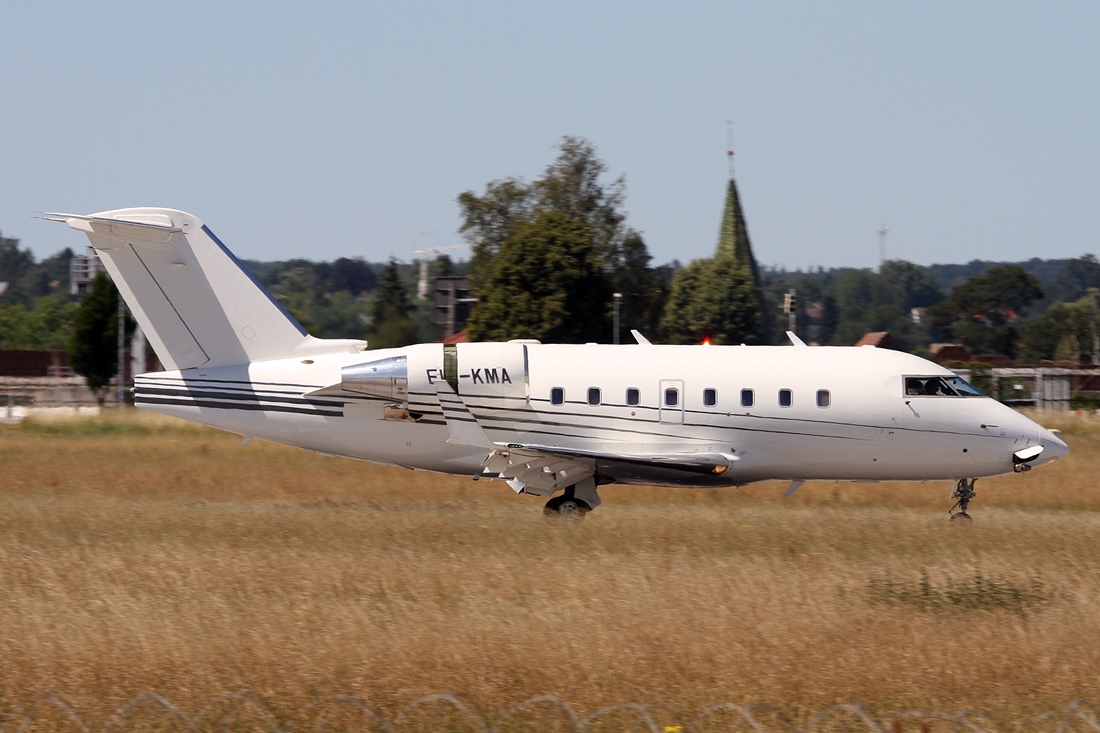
(964, 388)
(939, 387)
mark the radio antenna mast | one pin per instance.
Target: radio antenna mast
(729, 145)
(882, 232)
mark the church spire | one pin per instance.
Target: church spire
(733, 236)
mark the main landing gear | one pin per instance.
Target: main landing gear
(578, 500)
(565, 507)
(962, 493)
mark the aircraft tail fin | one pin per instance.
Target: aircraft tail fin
(193, 299)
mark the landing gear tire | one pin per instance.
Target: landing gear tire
(962, 493)
(566, 507)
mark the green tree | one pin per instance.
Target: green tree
(93, 346)
(46, 326)
(490, 219)
(910, 286)
(1065, 332)
(547, 282)
(15, 265)
(51, 324)
(28, 280)
(714, 299)
(354, 276)
(1079, 275)
(16, 328)
(570, 186)
(980, 312)
(443, 266)
(643, 290)
(391, 309)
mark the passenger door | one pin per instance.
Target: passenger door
(670, 396)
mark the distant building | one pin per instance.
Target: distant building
(82, 272)
(30, 363)
(950, 352)
(995, 360)
(461, 337)
(451, 304)
(881, 340)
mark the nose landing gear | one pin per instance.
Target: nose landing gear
(962, 493)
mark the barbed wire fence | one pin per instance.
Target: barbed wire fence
(250, 712)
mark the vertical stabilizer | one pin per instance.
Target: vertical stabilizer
(194, 300)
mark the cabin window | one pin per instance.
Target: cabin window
(557, 396)
(824, 399)
(710, 397)
(747, 398)
(672, 397)
(786, 398)
(593, 396)
(633, 396)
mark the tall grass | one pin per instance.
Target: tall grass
(140, 554)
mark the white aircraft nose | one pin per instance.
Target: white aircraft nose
(1053, 446)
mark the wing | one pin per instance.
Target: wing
(543, 469)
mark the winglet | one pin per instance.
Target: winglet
(463, 427)
(642, 340)
(795, 341)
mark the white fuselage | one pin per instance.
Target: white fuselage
(865, 428)
(544, 418)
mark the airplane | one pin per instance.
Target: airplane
(549, 420)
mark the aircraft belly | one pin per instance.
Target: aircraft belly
(409, 445)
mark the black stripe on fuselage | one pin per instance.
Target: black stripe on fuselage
(247, 383)
(235, 396)
(248, 406)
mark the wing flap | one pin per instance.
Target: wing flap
(543, 469)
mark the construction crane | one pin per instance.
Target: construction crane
(422, 254)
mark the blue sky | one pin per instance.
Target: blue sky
(969, 129)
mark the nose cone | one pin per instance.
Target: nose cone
(1053, 446)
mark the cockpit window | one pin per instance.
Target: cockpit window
(928, 386)
(964, 388)
(939, 387)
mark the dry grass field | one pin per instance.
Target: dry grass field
(139, 554)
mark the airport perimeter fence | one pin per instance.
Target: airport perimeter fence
(249, 712)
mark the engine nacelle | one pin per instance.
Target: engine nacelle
(386, 378)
